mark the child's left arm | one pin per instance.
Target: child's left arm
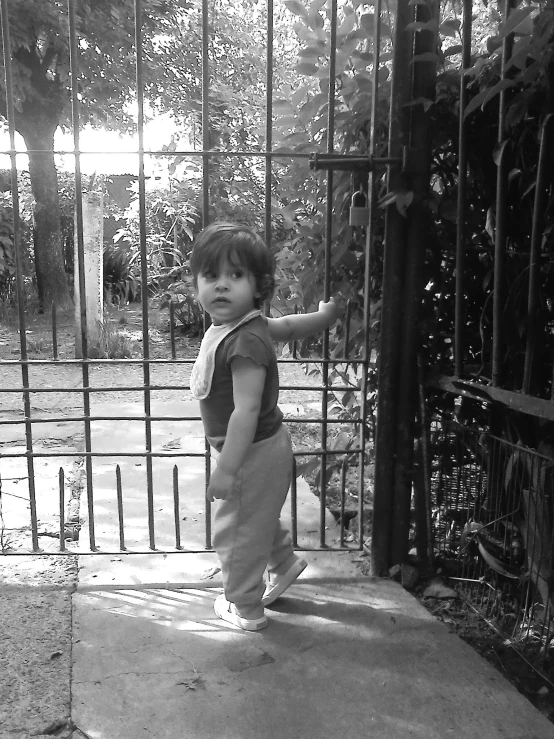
(248, 385)
(300, 325)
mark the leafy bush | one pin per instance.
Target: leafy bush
(121, 275)
(186, 308)
(7, 264)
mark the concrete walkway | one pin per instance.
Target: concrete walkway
(343, 655)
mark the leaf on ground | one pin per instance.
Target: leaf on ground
(208, 574)
(173, 444)
(437, 589)
(192, 683)
(240, 662)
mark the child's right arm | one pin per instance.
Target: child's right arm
(300, 325)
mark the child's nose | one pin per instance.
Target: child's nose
(221, 283)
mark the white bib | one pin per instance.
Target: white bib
(203, 368)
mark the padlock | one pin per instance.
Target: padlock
(359, 210)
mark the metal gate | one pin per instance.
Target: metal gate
(115, 471)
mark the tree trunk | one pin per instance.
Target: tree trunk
(52, 282)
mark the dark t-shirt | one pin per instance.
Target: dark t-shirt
(250, 340)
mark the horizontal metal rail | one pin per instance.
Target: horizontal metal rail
(152, 388)
(131, 361)
(182, 152)
(152, 454)
(69, 419)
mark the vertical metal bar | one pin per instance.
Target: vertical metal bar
(459, 316)
(347, 320)
(74, 72)
(6, 42)
(327, 276)
(294, 504)
(330, 149)
(61, 483)
(176, 508)
(370, 234)
(389, 349)
(502, 215)
(206, 211)
(54, 331)
(172, 330)
(342, 499)
(539, 208)
(424, 83)
(205, 114)
(547, 623)
(295, 343)
(268, 123)
(208, 469)
(120, 508)
(74, 69)
(144, 272)
(426, 466)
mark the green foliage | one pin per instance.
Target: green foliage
(171, 223)
(528, 94)
(301, 194)
(7, 265)
(528, 89)
(186, 308)
(121, 275)
(107, 75)
(115, 343)
(106, 59)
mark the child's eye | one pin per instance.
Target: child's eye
(209, 275)
(237, 274)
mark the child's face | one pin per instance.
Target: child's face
(228, 293)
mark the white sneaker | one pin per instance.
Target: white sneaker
(228, 612)
(277, 584)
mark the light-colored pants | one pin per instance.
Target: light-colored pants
(248, 535)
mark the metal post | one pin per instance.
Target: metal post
(417, 239)
(389, 349)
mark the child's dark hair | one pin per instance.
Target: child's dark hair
(242, 247)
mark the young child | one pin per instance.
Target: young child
(235, 377)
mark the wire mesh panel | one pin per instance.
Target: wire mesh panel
(102, 448)
(493, 503)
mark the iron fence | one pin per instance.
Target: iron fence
(58, 463)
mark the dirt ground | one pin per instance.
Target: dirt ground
(35, 597)
(35, 646)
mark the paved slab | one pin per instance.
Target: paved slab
(342, 655)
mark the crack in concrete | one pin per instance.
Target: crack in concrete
(178, 673)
